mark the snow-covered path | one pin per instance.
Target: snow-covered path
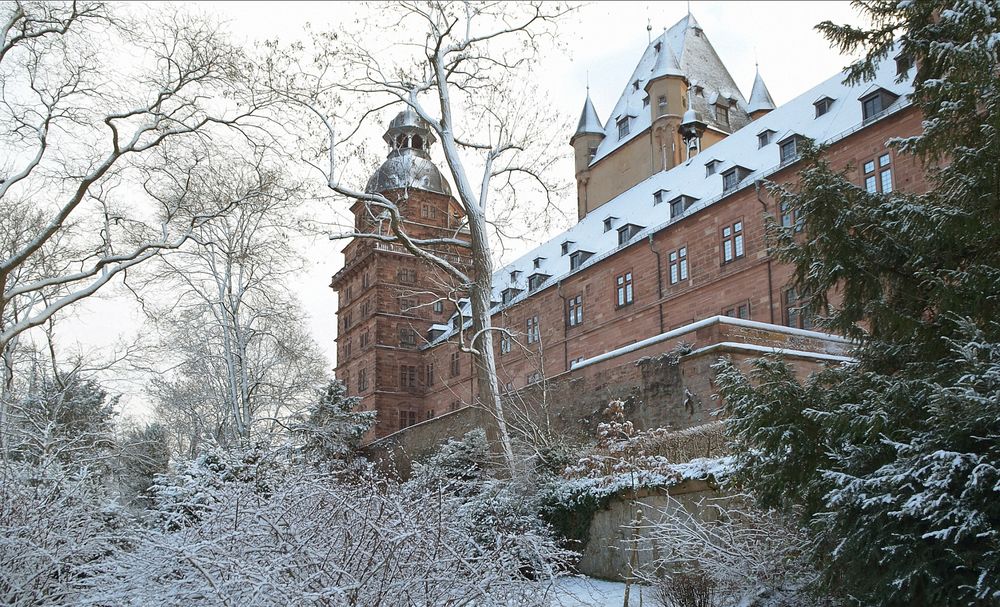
(580, 591)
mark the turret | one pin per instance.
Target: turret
(760, 99)
(665, 89)
(585, 141)
(408, 164)
(691, 129)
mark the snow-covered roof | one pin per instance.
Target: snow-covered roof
(635, 205)
(760, 97)
(589, 122)
(681, 50)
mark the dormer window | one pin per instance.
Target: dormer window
(903, 63)
(627, 232)
(514, 274)
(711, 167)
(721, 113)
(823, 105)
(876, 102)
(658, 196)
(764, 137)
(789, 149)
(679, 205)
(623, 127)
(577, 258)
(564, 247)
(536, 280)
(508, 295)
(537, 262)
(645, 101)
(657, 46)
(732, 178)
(635, 85)
(609, 222)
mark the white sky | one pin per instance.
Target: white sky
(604, 39)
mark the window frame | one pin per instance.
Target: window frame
(532, 329)
(733, 234)
(873, 180)
(574, 311)
(623, 127)
(456, 364)
(677, 265)
(624, 290)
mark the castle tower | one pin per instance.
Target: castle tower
(666, 90)
(588, 136)
(388, 298)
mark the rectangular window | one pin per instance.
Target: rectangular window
(407, 337)
(790, 217)
(534, 377)
(455, 405)
(505, 342)
(533, 332)
(362, 380)
(407, 376)
(740, 310)
(456, 366)
(764, 138)
(429, 373)
(677, 207)
(406, 276)
(623, 289)
(722, 114)
(574, 311)
(407, 305)
(789, 151)
(732, 242)
(623, 127)
(407, 419)
(678, 265)
(877, 174)
(730, 179)
(348, 349)
(365, 280)
(795, 313)
(657, 197)
(438, 307)
(347, 321)
(871, 106)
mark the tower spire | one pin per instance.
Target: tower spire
(760, 98)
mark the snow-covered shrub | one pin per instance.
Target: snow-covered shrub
(731, 551)
(330, 430)
(317, 540)
(53, 522)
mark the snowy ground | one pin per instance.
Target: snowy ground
(580, 591)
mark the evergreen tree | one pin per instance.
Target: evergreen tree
(895, 459)
(332, 428)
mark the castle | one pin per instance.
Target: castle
(669, 246)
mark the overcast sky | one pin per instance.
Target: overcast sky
(604, 39)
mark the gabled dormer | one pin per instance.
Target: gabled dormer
(508, 294)
(733, 176)
(577, 258)
(565, 247)
(788, 148)
(875, 101)
(823, 105)
(609, 222)
(765, 137)
(712, 167)
(536, 280)
(679, 205)
(627, 232)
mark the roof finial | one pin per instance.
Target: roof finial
(649, 30)
(588, 82)
(689, 8)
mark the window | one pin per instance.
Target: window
(623, 289)
(877, 174)
(407, 337)
(362, 380)
(730, 179)
(365, 280)
(347, 321)
(429, 373)
(788, 150)
(823, 106)
(347, 349)
(721, 114)
(438, 307)
(514, 274)
(711, 167)
(680, 204)
(764, 138)
(407, 376)
(533, 331)
(428, 211)
(534, 377)
(740, 310)
(456, 365)
(657, 197)
(347, 382)
(537, 262)
(504, 342)
(623, 127)
(577, 258)
(795, 313)
(508, 295)
(407, 419)
(635, 85)
(348, 296)
(732, 242)
(365, 307)
(536, 280)
(574, 311)
(564, 248)
(430, 414)
(790, 217)
(903, 64)
(609, 222)
(406, 276)
(363, 340)
(645, 101)
(661, 103)
(627, 232)
(874, 103)
(678, 265)
(406, 304)
(578, 359)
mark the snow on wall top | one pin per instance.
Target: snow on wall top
(760, 97)
(636, 205)
(681, 50)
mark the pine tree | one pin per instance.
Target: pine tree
(895, 460)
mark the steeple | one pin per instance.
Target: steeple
(589, 122)
(760, 99)
(666, 63)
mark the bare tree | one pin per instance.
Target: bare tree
(103, 120)
(463, 68)
(234, 346)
